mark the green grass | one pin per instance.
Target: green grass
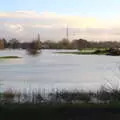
(9, 57)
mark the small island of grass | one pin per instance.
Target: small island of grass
(9, 57)
(96, 51)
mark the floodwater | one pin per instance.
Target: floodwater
(51, 70)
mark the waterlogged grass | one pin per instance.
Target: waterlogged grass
(9, 57)
(85, 53)
(110, 51)
(77, 53)
(93, 51)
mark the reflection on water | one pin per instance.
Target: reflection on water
(50, 70)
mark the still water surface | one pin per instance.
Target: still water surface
(51, 70)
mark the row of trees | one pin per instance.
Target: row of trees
(79, 44)
(15, 44)
(63, 44)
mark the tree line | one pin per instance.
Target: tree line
(62, 44)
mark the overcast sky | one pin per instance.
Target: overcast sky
(96, 20)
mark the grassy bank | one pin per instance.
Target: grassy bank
(60, 105)
(103, 96)
(88, 51)
(95, 51)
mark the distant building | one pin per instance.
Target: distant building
(2, 44)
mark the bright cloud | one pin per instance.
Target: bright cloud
(15, 27)
(26, 24)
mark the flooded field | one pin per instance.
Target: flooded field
(51, 70)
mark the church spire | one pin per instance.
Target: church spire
(38, 41)
(38, 37)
